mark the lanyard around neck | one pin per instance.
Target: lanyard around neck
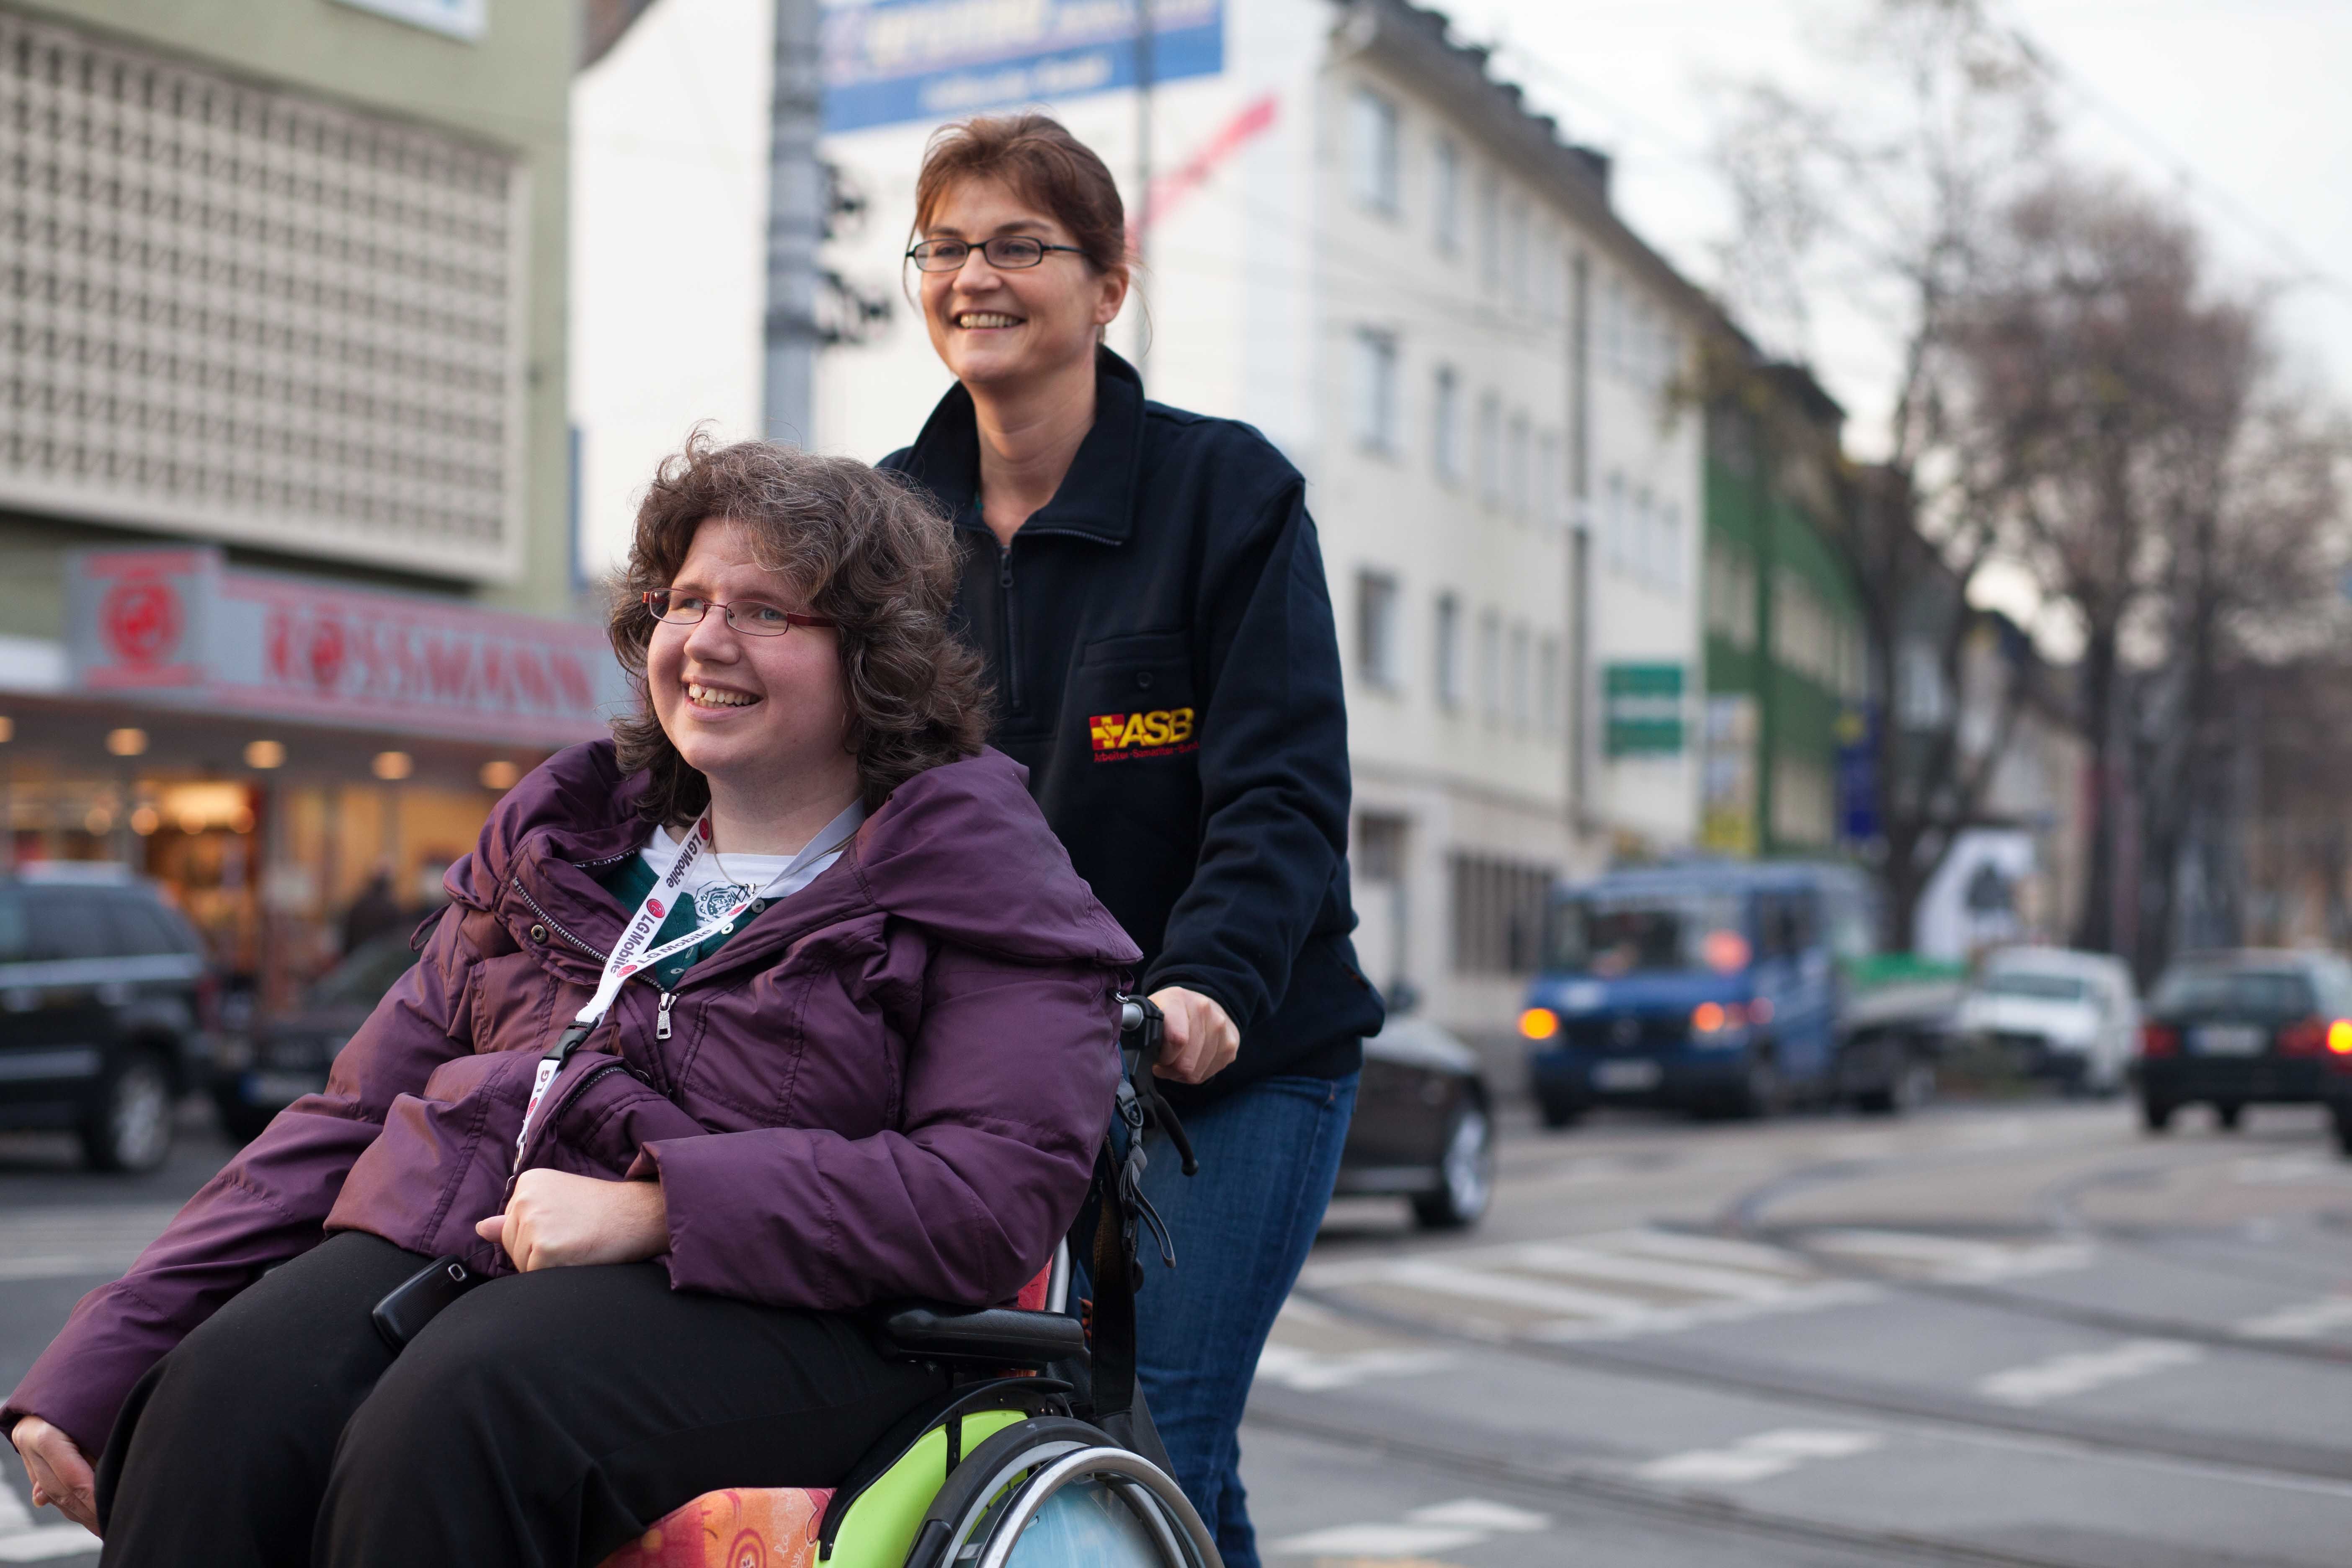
(635, 950)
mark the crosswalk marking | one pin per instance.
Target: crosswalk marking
(1758, 1457)
(1952, 1259)
(2081, 1371)
(2307, 1321)
(65, 1243)
(1315, 1372)
(1608, 1285)
(1440, 1527)
(23, 1540)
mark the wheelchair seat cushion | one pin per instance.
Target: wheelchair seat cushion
(762, 1527)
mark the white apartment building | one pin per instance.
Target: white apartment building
(1355, 241)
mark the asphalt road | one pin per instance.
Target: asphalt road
(2022, 1334)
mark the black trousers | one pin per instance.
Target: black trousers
(541, 1421)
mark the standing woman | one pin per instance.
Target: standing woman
(1145, 587)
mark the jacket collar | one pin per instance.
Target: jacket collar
(1096, 497)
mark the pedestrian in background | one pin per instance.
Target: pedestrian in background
(1145, 586)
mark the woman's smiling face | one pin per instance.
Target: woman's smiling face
(997, 328)
(746, 711)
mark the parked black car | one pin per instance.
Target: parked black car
(105, 1000)
(258, 1071)
(1424, 1127)
(2234, 1028)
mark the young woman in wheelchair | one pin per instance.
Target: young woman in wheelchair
(784, 1002)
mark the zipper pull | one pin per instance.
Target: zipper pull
(1004, 567)
(661, 1018)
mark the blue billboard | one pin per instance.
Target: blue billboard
(888, 62)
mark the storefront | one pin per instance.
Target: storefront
(268, 745)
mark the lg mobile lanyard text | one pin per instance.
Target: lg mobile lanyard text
(631, 953)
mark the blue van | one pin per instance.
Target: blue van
(1718, 988)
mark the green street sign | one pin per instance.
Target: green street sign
(1643, 708)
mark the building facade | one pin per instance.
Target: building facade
(1784, 729)
(284, 480)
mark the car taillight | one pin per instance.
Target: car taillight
(2158, 1040)
(2304, 1037)
(1540, 1023)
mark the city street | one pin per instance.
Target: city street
(2021, 1334)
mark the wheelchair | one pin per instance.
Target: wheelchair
(1040, 1454)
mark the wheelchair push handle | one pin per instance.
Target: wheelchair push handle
(1141, 1027)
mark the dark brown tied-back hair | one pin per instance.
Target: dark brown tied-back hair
(1042, 164)
(868, 551)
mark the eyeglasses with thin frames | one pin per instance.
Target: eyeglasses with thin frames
(758, 618)
(1013, 252)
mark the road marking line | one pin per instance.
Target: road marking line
(1313, 1371)
(1759, 1457)
(1954, 1261)
(1439, 1527)
(22, 1540)
(1378, 1541)
(1477, 1284)
(2307, 1321)
(1746, 1255)
(1587, 1262)
(2081, 1371)
(1480, 1513)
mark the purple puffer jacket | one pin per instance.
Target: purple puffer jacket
(891, 1083)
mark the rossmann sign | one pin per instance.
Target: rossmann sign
(183, 628)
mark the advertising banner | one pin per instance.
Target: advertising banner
(183, 628)
(890, 61)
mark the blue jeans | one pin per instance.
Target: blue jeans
(1268, 1155)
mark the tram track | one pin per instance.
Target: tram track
(1742, 1218)
(1593, 1485)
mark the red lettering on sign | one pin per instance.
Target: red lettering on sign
(141, 620)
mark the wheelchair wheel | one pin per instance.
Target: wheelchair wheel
(1060, 1494)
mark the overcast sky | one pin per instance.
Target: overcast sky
(2241, 108)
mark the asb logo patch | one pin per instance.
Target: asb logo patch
(1122, 737)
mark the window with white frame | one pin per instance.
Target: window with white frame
(1490, 449)
(1446, 194)
(1548, 487)
(1490, 665)
(1376, 174)
(1670, 548)
(1449, 651)
(1445, 424)
(1376, 390)
(1612, 327)
(1614, 545)
(1644, 541)
(1517, 257)
(1379, 636)
(1490, 232)
(1521, 684)
(1549, 714)
(1515, 460)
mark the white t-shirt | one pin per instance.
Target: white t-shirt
(716, 877)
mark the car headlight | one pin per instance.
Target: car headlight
(1719, 1026)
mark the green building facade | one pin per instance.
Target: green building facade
(1784, 664)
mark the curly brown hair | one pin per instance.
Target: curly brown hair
(868, 550)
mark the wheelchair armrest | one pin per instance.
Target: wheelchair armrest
(980, 1336)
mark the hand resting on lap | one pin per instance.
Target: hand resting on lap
(556, 1220)
(61, 1474)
